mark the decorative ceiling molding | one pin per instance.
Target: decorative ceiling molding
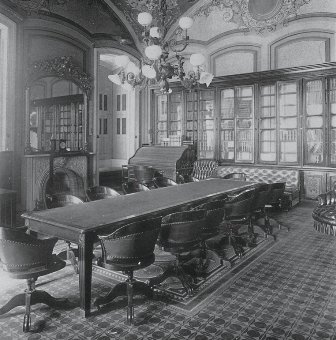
(93, 16)
(61, 67)
(256, 16)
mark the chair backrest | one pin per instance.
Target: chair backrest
(161, 182)
(204, 168)
(214, 213)
(276, 192)
(62, 200)
(143, 174)
(182, 228)
(100, 192)
(238, 176)
(21, 252)
(261, 196)
(132, 242)
(132, 187)
(239, 205)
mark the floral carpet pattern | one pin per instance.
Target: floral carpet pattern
(287, 292)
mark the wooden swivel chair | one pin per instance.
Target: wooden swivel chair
(26, 257)
(237, 212)
(180, 233)
(144, 174)
(214, 214)
(63, 200)
(132, 187)
(274, 201)
(100, 192)
(129, 248)
(161, 182)
(236, 176)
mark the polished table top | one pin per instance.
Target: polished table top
(92, 216)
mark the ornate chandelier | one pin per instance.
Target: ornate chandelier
(155, 65)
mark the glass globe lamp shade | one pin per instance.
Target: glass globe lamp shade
(154, 32)
(186, 23)
(197, 59)
(144, 18)
(148, 72)
(121, 60)
(115, 79)
(153, 52)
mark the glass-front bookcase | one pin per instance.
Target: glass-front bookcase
(56, 119)
(314, 125)
(267, 124)
(237, 124)
(206, 139)
(169, 117)
(288, 95)
(191, 120)
(161, 119)
(332, 120)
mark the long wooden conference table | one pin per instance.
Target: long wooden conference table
(82, 223)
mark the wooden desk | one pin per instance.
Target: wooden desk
(82, 223)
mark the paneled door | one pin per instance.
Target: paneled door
(120, 124)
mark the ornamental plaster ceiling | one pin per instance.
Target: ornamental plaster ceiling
(116, 20)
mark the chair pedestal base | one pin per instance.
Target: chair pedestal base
(206, 255)
(128, 288)
(268, 224)
(185, 273)
(29, 298)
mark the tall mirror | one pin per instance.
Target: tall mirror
(56, 106)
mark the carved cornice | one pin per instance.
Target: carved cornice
(61, 67)
(246, 14)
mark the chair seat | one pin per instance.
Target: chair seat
(132, 264)
(54, 266)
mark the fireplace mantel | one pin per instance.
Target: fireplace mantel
(36, 173)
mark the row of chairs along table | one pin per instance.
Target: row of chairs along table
(192, 232)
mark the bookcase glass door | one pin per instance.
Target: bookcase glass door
(227, 125)
(191, 117)
(59, 118)
(288, 121)
(206, 139)
(314, 122)
(162, 119)
(244, 124)
(267, 124)
(175, 119)
(332, 100)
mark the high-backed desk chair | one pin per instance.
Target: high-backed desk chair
(100, 192)
(129, 248)
(63, 200)
(25, 257)
(144, 174)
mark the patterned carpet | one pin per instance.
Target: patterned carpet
(287, 292)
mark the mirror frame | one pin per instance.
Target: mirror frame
(63, 68)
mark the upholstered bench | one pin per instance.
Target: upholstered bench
(291, 196)
(324, 214)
